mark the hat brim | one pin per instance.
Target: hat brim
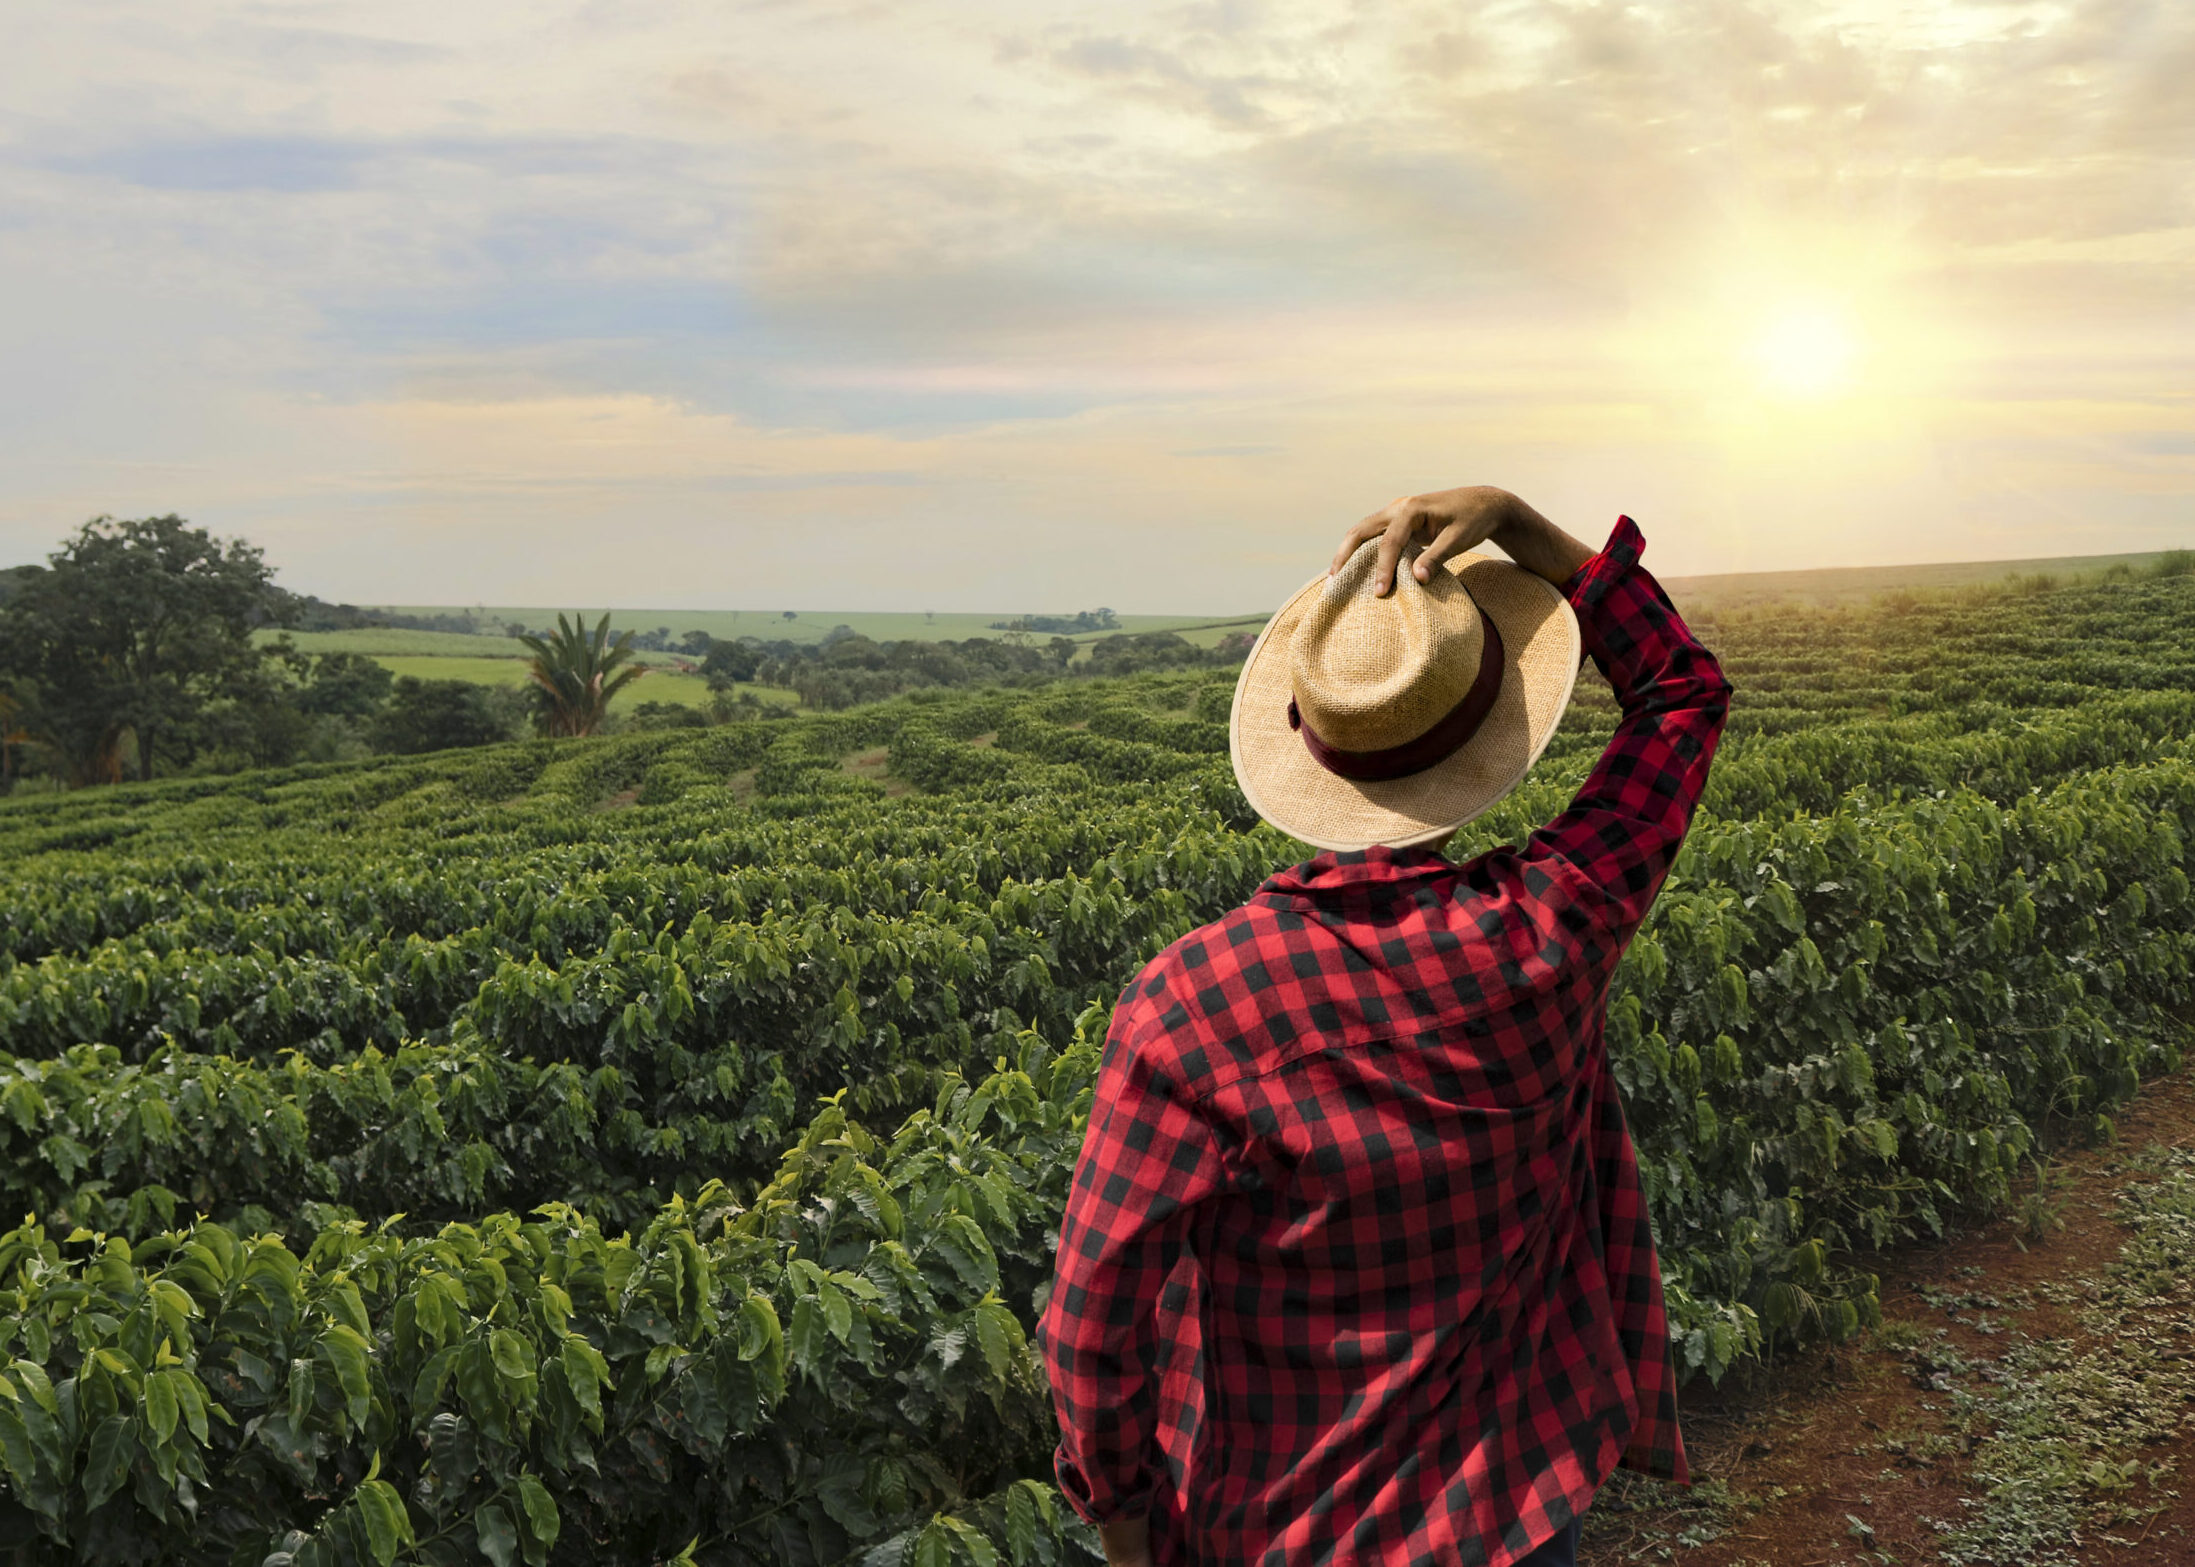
(1285, 784)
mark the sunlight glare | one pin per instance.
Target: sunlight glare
(1804, 353)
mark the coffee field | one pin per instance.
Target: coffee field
(648, 1148)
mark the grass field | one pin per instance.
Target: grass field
(1736, 590)
(392, 641)
(806, 626)
(495, 659)
(658, 685)
(1846, 585)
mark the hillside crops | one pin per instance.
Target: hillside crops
(649, 1148)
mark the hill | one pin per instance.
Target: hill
(1736, 590)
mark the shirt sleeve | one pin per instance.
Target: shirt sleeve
(1613, 847)
(1148, 1160)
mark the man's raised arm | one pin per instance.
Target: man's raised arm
(1615, 843)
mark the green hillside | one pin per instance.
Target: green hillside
(806, 626)
(1822, 587)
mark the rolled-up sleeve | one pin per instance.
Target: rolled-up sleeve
(1614, 845)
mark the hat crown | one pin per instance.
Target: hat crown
(1371, 673)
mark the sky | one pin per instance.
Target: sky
(983, 305)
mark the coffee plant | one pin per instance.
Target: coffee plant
(648, 1149)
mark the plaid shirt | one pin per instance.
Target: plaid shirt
(1355, 1266)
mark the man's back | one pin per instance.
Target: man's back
(1365, 1129)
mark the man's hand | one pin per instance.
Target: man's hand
(1127, 1543)
(1450, 522)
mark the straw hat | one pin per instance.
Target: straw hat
(1362, 720)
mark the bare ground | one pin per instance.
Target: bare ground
(2028, 1401)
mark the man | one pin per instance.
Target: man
(1355, 1266)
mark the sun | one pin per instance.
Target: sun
(1804, 353)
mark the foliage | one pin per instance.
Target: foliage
(438, 715)
(844, 671)
(346, 685)
(839, 1364)
(124, 639)
(571, 1009)
(726, 664)
(1084, 621)
(12, 735)
(575, 674)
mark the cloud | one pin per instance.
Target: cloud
(230, 163)
(1030, 284)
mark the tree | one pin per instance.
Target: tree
(345, 685)
(729, 664)
(124, 638)
(438, 715)
(573, 675)
(10, 737)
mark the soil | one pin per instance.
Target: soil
(876, 764)
(1866, 1453)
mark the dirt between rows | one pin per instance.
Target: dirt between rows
(1859, 1455)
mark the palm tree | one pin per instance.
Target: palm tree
(572, 671)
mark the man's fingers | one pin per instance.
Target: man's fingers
(1451, 540)
(1370, 528)
(1391, 543)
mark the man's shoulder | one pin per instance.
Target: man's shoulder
(1208, 957)
(1206, 998)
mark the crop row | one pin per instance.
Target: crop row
(831, 1367)
(356, 900)
(1830, 1032)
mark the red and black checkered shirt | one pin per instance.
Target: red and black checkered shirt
(1355, 1266)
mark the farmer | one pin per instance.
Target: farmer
(1355, 1266)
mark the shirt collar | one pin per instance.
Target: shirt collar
(1379, 866)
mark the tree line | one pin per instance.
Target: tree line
(137, 649)
(847, 669)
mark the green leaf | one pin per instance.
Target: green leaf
(540, 1509)
(454, 1450)
(972, 1540)
(346, 1355)
(426, 1387)
(513, 1355)
(106, 1459)
(585, 1372)
(838, 1311)
(301, 1391)
(999, 1336)
(811, 1336)
(498, 1539)
(1021, 1524)
(388, 1524)
(160, 1408)
(760, 1335)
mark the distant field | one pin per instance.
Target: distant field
(389, 641)
(1735, 590)
(658, 685)
(806, 626)
(1858, 584)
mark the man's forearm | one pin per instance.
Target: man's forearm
(1539, 546)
